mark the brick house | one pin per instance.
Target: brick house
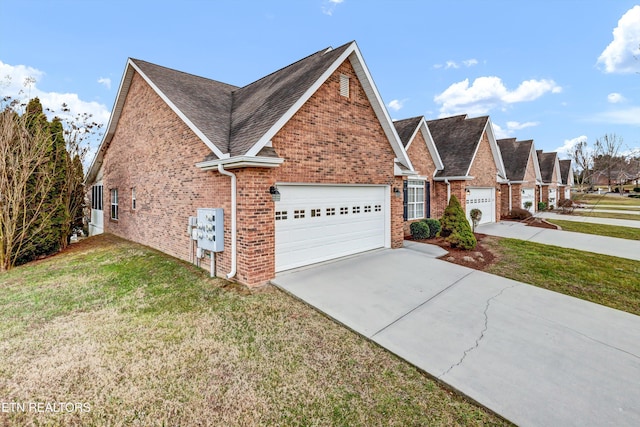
(473, 167)
(566, 175)
(523, 172)
(305, 163)
(422, 151)
(551, 179)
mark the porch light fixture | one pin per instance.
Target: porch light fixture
(275, 194)
(467, 191)
(396, 191)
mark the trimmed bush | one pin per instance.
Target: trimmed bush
(527, 205)
(636, 189)
(518, 213)
(434, 227)
(419, 230)
(542, 206)
(455, 227)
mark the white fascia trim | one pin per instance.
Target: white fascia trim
(454, 178)
(266, 138)
(118, 105)
(431, 145)
(241, 162)
(180, 114)
(497, 156)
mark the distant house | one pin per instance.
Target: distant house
(419, 190)
(566, 175)
(473, 167)
(305, 163)
(551, 178)
(523, 172)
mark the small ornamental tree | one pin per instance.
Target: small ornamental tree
(455, 228)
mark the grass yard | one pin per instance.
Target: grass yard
(587, 213)
(598, 229)
(605, 199)
(601, 279)
(144, 339)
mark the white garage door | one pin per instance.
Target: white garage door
(528, 195)
(316, 222)
(552, 198)
(485, 200)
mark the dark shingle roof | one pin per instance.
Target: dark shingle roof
(515, 155)
(547, 162)
(406, 128)
(456, 139)
(235, 118)
(565, 168)
(205, 102)
(259, 105)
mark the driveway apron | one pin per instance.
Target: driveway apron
(536, 357)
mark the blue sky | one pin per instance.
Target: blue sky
(556, 71)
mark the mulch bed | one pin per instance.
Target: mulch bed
(479, 258)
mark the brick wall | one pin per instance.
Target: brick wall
(423, 164)
(331, 139)
(155, 152)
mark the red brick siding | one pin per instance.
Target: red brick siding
(331, 139)
(155, 152)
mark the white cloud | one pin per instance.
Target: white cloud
(12, 84)
(620, 55)
(453, 64)
(565, 149)
(512, 126)
(518, 125)
(615, 98)
(487, 93)
(627, 116)
(396, 104)
(329, 6)
(106, 81)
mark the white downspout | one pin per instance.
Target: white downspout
(234, 254)
(510, 196)
(446, 181)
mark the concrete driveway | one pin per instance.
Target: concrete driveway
(536, 357)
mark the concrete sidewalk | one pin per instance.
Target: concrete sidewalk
(622, 248)
(595, 220)
(536, 357)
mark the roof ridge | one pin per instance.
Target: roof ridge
(182, 72)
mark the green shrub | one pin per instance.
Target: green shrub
(636, 189)
(527, 205)
(434, 227)
(518, 213)
(455, 228)
(419, 230)
(542, 206)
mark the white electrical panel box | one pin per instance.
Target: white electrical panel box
(210, 229)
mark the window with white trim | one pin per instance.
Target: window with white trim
(415, 202)
(114, 203)
(133, 199)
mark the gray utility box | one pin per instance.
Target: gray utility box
(210, 229)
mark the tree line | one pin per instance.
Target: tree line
(41, 180)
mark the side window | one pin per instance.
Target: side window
(114, 203)
(133, 199)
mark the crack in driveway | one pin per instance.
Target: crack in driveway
(484, 329)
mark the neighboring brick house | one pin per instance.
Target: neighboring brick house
(523, 172)
(418, 190)
(551, 181)
(305, 162)
(473, 168)
(566, 175)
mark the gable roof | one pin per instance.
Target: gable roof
(566, 172)
(548, 164)
(516, 155)
(408, 129)
(457, 139)
(237, 123)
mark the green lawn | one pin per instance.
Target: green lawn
(606, 199)
(598, 229)
(145, 339)
(601, 279)
(587, 213)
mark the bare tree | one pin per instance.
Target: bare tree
(25, 180)
(583, 161)
(606, 157)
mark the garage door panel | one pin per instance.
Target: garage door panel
(483, 199)
(528, 195)
(325, 222)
